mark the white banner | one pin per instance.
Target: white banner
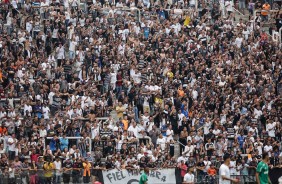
(115, 176)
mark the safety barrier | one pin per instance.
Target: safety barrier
(72, 138)
(158, 175)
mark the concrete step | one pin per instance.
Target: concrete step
(176, 150)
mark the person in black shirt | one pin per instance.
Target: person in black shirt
(109, 150)
(200, 169)
(67, 170)
(3, 163)
(142, 163)
(124, 151)
(109, 163)
(76, 168)
(274, 160)
(210, 135)
(151, 164)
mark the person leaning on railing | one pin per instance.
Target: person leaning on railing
(48, 174)
(33, 173)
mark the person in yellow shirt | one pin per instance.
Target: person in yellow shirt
(120, 109)
(187, 20)
(48, 171)
(169, 74)
(86, 172)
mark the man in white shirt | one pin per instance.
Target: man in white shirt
(270, 128)
(268, 148)
(27, 109)
(94, 131)
(46, 111)
(169, 134)
(72, 48)
(12, 141)
(224, 172)
(189, 149)
(189, 177)
(58, 170)
(60, 54)
(229, 6)
(133, 128)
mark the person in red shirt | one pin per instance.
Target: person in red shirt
(3, 130)
(119, 82)
(34, 157)
(183, 169)
(263, 37)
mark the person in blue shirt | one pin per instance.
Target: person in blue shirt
(53, 143)
(164, 129)
(162, 13)
(64, 142)
(185, 111)
(241, 140)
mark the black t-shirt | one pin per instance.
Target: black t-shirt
(109, 165)
(76, 166)
(109, 150)
(151, 165)
(3, 165)
(200, 164)
(142, 164)
(67, 165)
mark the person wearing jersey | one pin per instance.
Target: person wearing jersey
(262, 170)
(144, 176)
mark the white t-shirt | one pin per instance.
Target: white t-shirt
(270, 128)
(268, 149)
(189, 150)
(224, 171)
(169, 134)
(72, 46)
(161, 142)
(46, 111)
(134, 130)
(233, 169)
(189, 178)
(43, 133)
(229, 6)
(12, 144)
(58, 165)
(238, 42)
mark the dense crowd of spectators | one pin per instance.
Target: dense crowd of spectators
(161, 72)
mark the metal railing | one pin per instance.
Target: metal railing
(72, 138)
(38, 176)
(243, 179)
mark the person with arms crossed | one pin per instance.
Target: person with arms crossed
(144, 176)
(224, 172)
(262, 170)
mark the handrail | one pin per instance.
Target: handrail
(88, 138)
(180, 143)
(238, 11)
